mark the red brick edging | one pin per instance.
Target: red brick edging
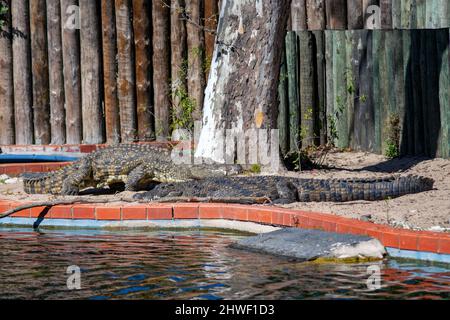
(427, 241)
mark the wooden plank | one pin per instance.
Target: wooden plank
(6, 82)
(336, 11)
(443, 14)
(71, 70)
(379, 85)
(161, 68)
(316, 14)
(23, 114)
(56, 76)
(397, 14)
(283, 108)
(211, 14)
(329, 90)
(351, 77)
(410, 140)
(421, 10)
(340, 88)
(443, 62)
(196, 81)
(142, 25)
(298, 15)
(355, 14)
(406, 14)
(90, 69)
(39, 67)
(424, 90)
(308, 105)
(109, 38)
(386, 14)
(399, 79)
(319, 40)
(292, 71)
(430, 14)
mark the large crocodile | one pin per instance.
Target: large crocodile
(279, 189)
(132, 165)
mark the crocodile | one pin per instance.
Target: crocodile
(283, 190)
(133, 166)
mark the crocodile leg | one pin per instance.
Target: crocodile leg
(287, 192)
(72, 183)
(135, 177)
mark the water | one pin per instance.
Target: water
(190, 265)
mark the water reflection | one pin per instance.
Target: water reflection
(190, 265)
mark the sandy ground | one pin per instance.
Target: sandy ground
(424, 211)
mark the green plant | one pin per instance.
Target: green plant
(255, 168)
(4, 9)
(392, 149)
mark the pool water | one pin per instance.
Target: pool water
(194, 264)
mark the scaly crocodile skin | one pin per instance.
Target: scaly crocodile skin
(131, 164)
(287, 189)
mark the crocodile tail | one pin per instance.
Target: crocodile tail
(42, 183)
(342, 190)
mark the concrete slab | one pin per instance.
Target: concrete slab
(301, 244)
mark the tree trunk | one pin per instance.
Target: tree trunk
(72, 76)
(242, 86)
(56, 77)
(6, 83)
(126, 81)
(179, 52)
(211, 17)
(109, 72)
(39, 66)
(91, 70)
(23, 112)
(298, 15)
(196, 56)
(161, 68)
(142, 21)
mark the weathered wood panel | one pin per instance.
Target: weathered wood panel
(23, 112)
(355, 14)
(91, 84)
(72, 74)
(109, 36)
(211, 14)
(336, 11)
(6, 82)
(56, 76)
(315, 10)
(283, 109)
(142, 20)
(298, 15)
(293, 84)
(443, 62)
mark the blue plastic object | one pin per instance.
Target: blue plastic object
(23, 158)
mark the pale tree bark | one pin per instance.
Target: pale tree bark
(6, 83)
(23, 113)
(56, 77)
(242, 87)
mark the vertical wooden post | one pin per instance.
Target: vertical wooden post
(316, 14)
(23, 112)
(39, 66)
(110, 72)
(196, 56)
(307, 91)
(329, 85)
(178, 56)
(298, 15)
(56, 77)
(421, 8)
(397, 14)
(90, 70)
(211, 18)
(336, 14)
(6, 82)
(142, 20)
(386, 14)
(443, 49)
(292, 72)
(283, 108)
(72, 77)
(161, 68)
(355, 14)
(321, 126)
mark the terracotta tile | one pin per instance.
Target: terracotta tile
(22, 214)
(14, 169)
(83, 212)
(329, 226)
(342, 228)
(265, 216)
(277, 218)
(287, 219)
(236, 212)
(252, 214)
(134, 213)
(391, 239)
(37, 211)
(185, 211)
(430, 244)
(159, 212)
(61, 212)
(444, 246)
(210, 211)
(408, 241)
(87, 148)
(108, 213)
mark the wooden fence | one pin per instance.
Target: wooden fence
(368, 90)
(358, 14)
(122, 72)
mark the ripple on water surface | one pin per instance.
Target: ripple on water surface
(190, 265)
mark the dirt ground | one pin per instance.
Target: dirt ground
(424, 211)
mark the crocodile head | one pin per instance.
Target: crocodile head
(214, 170)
